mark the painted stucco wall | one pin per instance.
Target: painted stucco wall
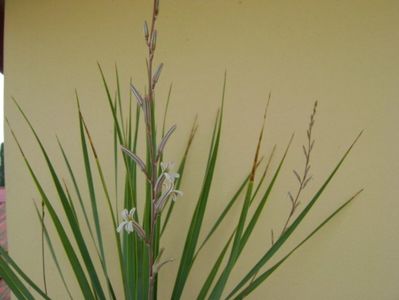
(342, 53)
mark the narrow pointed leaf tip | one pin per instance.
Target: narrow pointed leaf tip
(256, 158)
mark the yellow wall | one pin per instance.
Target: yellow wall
(343, 53)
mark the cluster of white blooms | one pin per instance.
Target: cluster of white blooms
(164, 189)
(168, 180)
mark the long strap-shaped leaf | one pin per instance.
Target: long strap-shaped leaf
(276, 246)
(233, 200)
(54, 255)
(235, 249)
(262, 203)
(212, 274)
(4, 255)
(119, 99)
(196, 223)
(207, 284)
(69, 214)
(126, 136)
(69, 250)
(113, 109)
(90, 184)
(110, 209)
(261, 278)
(13, 282)
(222, 215)
(265, 172)
(77, 190)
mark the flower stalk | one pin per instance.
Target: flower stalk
(306, 177)
(161, 186)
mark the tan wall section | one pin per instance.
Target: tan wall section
(343, 53)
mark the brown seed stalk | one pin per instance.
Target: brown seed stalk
(303, 179)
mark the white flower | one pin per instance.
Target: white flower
(166, 170)
(128, 220)
(165, 186)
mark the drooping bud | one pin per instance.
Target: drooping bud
(156, 10)
(160, 203)
(158, 266)
(139, 230)
(165, 140)
(157, 74)
(146, 34)
(154, 40)
(137, 95)
(139, 162)
(159, 183)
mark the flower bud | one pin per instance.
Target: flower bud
(157, 74)
(156, 11)
(146, 34)
(154, 40)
